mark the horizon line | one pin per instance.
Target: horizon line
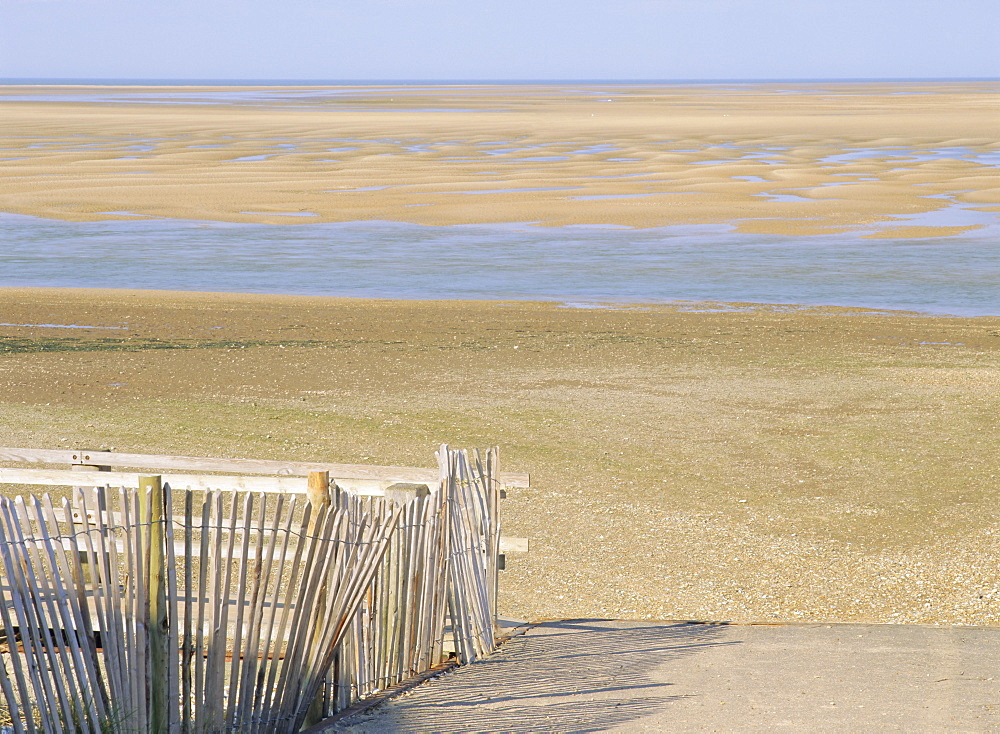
(277, 81)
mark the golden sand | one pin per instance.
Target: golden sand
(707, 462)
(638, 156)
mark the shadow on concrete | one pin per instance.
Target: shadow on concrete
(577, 675)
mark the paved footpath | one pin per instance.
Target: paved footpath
(600, 675)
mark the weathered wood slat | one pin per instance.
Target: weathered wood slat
(187, 653)
(237, 466)
(173, 692)
(198, 692)
(38, 573)
(266, 541)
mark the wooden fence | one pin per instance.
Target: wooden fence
(207, 603)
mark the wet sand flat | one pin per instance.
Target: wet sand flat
(708, 461)
(804, 158)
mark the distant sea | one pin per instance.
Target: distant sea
(430, 82)
(580, 265)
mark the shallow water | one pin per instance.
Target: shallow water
(630, 196)
(956, 275)
(503, 191)
(282, 214)
(783, 197)
(917, 155)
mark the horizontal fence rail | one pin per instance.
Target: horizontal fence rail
(233, 466)
(141, 605)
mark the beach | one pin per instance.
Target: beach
(700, 461)
(777, 460)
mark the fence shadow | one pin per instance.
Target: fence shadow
(578, 675)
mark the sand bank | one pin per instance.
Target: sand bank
(786, 159)
(726, 462)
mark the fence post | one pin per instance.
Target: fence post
(151, 502)
(318, 492)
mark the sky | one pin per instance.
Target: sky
(499, 39)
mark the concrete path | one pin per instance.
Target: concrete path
(600, 675)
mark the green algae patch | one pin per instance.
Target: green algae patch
(29, 345)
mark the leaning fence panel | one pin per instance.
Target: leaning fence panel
(79, 655)
(247, 611)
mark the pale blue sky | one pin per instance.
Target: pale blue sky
(499, 39)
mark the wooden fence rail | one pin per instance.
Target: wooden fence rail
(200, 464)
(138, 605)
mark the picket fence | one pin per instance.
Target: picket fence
(205, 603)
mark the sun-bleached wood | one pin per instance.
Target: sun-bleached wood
(279, 606)
(513, 545)
(186, 464)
